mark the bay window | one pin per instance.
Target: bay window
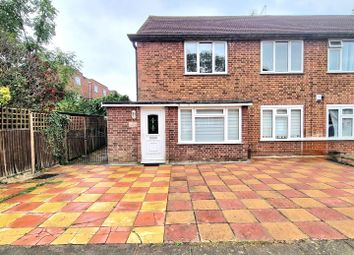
(281, 122)
(205, 57)
(209, 125)
(341, 55)
(282, 56)
(340, 120)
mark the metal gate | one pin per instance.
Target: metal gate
(87, 140)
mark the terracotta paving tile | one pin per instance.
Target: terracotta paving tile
(181, 233)
(90, 219)
(51, 207)
(180, 217)
(62, 219)
(282, 203)
(149, 219)
(179, 205)
(118, 235)
(205, 205)
(343, 226)
(297, 215)
(75, 207)
(24, 207)
(292, 193)
(40, 236)
(284, 231)
(202, 196)
(146, 235)
(314, 193)
(182, 189)
(247, 194)
(156, 197)
(349, 212)
(64, 198)
(209, 217)
(154, 206)
(7, 218)
(179, 196)
(250, 231)
(102, 207)
(87, 198)
(76, 236)
(326, 214)
(29, 220)
(337, 193)
(239, 216)
(22, 199)
(230, 204)
(127, 206)
(219, 188)
(110, 198)
(10, 235)
(256, 203)
(268, 215)
(120, 219)
(269, 194)
(215, 232)
(198, 189)
(307, 202)
(319, 230)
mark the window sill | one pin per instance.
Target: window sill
(284, 73)
(339, 72)
(206, 74)
(208, 143)
(307, 139)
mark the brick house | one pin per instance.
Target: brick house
(225, 88)
(88, 88)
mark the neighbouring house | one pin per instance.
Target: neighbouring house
(88, 88)
(225, 88)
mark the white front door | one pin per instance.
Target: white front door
(153, 135)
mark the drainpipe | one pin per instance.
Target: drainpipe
(136, 70)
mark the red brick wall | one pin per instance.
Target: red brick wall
(123, 135)
(161, 77)
(86, 89)
(202, 152)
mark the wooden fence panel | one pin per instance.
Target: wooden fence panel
(15, 152)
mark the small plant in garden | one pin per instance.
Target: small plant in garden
(5, 96)
(55, 134)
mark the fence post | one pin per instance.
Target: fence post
(33, 153)
(85, 135)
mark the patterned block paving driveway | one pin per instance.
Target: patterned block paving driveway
(266, 199)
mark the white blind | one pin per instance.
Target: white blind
(295, 123)
(209, 129)
(267, 123)
(186, 125)
(281, 127)
(233, 124)
(347, 127)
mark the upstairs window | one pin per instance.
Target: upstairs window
(281, 123)
(340, 121)
(340, 56)
(104, 93)
(282, 56)
(77, 80)
(95, 88)
(205, 57)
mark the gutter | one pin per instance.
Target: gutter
(136, 70)
(175, 105)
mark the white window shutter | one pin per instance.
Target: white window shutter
(209, 129)
(186, 125)
(295, 123)
(267, 123)
(233, 124)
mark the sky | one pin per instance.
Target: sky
(96, 30)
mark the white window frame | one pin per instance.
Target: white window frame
(340, 56)
(289, 57)
(225, 115)
(198, 58)
(274, 108)
(340, 108)
(95, 88)
(77, 81)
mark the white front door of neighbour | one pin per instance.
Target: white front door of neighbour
(153, 135)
